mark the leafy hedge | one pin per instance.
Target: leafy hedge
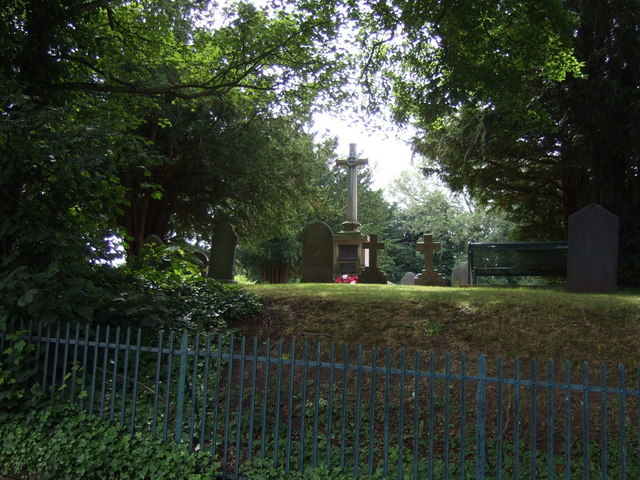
(60, 442)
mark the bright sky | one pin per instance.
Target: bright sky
(387, 150)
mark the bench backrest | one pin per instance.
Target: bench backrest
(517, 259)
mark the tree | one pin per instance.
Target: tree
(509, 97)
(110, 109)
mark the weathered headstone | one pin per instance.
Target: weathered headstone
(592, 264)
(223, 253)
(317, 254)
(152, 239)
(429, 276)
(408, 279)
(460, 275)
(202, 261)
(372, 273)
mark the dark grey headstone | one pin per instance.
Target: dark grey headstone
(223, 253)
(460, 275)
(592, 265)
(317, 254)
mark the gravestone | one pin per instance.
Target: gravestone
(223, 253)
(429, 276)
(372, 273)
(317, 254)
(152, 239)
(202, 261)
(408, 279)
(460, 275)
(592, 264)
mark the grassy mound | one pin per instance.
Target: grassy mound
(524, 322)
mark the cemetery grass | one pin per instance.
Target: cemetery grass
(512, 322)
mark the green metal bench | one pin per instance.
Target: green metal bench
(522, 259)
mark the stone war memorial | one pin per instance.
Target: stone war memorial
(349, 253)
(326, 256)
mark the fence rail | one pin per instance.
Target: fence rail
(366, 411)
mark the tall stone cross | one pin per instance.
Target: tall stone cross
(352, 162)
(428, 246)
(373, 246)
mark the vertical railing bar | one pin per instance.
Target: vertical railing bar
(585, 421)
(216, 397)
(332, 366)
(292, 366)
(401, 399)
(550, 419)
(481, 419)
(432, 378)
(252, 398)
(227, 413)
(603, 420)
(85, 360)
(516, 421)
(46, 359)
(180, 394)
(39, 342)
(125, 373)
(74, 362)
(534, 422)
(194, 390)
(316, 405)
(94, 372)
(372, 409)
(167, 393)
(105, 372)
(134, 389)
(343, 413)
(56, 351)
(114, 377)
(447, 404)
(500, 419)
(276, 439)
(265, 399)
(356, 438)
(205, 393)
(156, 390)
(387, 406)
(63, 379)
(567, 420)
(623, 422)
(463, 413)
(238, 452)
(416, 413)
(303, 404)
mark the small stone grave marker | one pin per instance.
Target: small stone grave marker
(372, 273)
(408, 279)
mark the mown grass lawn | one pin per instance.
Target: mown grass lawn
(512, 322)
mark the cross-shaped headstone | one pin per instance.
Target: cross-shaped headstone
(352, 162)
(428, 246)
(373, 246)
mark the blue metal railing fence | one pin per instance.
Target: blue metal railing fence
(366, 411)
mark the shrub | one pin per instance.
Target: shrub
(60, 442)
